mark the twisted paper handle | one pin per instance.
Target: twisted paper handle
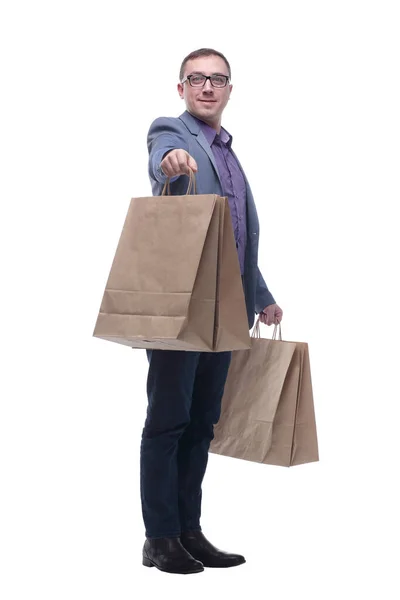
(257, 334)
(192, 185)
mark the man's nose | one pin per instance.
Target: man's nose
(207, 87)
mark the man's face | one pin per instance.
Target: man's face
(207, 102)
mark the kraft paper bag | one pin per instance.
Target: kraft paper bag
(175, 280)
(267, 413)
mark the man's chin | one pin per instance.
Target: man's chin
(207, 111)
(204, 112)
(207, 106)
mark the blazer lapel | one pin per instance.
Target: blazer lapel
(195, 129)
(201, 138)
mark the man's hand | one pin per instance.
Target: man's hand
(178, 162)
(271, 315)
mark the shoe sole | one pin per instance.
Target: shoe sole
(225, 566)
(148, 563)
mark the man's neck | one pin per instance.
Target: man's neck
(213, 125)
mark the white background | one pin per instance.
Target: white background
(315, 118)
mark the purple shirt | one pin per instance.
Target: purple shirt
(232, 183)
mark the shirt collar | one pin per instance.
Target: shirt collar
(210, 133)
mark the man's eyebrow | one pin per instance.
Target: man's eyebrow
(202, 73)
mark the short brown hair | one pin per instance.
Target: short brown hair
(199, 54)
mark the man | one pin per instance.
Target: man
(185, 389)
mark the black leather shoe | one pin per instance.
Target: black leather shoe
(201, 549)
(168, 554)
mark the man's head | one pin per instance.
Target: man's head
(203, 99)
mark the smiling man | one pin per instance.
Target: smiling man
(185, 389)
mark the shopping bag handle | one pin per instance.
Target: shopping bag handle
(256, 333)
(191, 186)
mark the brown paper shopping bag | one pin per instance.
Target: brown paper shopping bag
(267, 411)
(175, 280)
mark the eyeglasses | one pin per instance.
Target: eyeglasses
(197, 80)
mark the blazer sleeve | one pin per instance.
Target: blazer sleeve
(164, 135)
(263, 295)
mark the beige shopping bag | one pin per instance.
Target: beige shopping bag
(175, 280)
(267, 411)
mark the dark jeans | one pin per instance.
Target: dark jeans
(184, 390)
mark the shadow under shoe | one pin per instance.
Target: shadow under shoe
(201, 549)
(168, 555)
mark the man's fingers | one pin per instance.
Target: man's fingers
(270, 317)
(192, 164)
(169, 165)
(166, 166)
(183, 166)
(178, 162)
(166, 169)
(267, 318)
(186, 162)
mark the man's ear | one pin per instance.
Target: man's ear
(180, 90)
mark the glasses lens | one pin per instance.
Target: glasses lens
(219, 80)
(197, 80)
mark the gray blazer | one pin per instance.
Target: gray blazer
(168, 133)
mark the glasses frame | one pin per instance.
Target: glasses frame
(188, 78)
